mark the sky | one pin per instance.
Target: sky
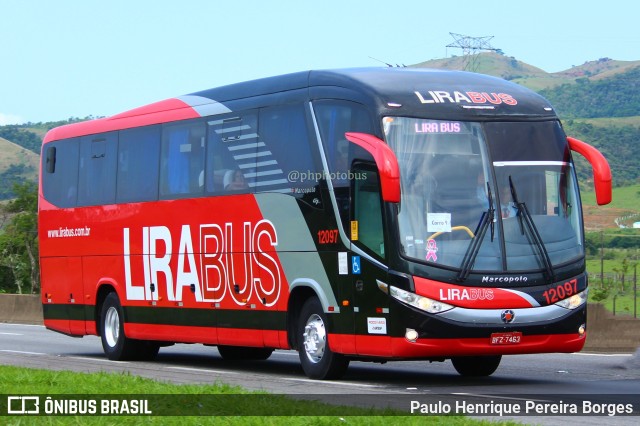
(75, 58)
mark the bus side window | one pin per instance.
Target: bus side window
(285, 135)
(138, 160)
(335, 118)
(367, 209)
(233, 154)
(182, 160)
(97, 169)
(60, 186)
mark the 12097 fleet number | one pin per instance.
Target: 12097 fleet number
(328, 236)
(561, 291)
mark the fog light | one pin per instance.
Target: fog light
(411, 335)
(582, 330)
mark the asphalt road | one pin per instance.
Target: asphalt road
(605, 378)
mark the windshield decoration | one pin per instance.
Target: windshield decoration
(432, 248)
(439, 222)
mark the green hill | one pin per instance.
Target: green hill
(17, 164)
(617, 95)
(519, 72)
(490, 63)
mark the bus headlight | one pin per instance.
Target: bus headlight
(420, 302)
(574, 301)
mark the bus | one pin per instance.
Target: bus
(370, 214)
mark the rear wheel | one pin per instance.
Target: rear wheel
(318, 361)
(476, 366)
(239, 353)
(115, 344)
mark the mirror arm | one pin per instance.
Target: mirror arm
(600, 166)
(386, 162)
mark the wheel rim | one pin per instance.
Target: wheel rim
(112, 326)
(314, 338)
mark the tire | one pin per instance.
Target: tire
(317, 359)
(476, 366)
(240, 353)
(117, 346)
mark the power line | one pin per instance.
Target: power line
(471, 48)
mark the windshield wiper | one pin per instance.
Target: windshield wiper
(524, 218)
(474, 248)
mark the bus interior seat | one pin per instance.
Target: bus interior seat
(227, 178)
(219, 179)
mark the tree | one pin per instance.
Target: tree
(19, 239)
(624, 268)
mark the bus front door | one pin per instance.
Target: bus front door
(371, 305)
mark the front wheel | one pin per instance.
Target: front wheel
(318, 361)
(116, 345)
(476, 366)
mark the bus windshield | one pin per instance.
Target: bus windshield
(486, 197)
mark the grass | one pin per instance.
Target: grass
(188, 399)
(623, 304)
(622, 297)
(626, 197)
(540, 82)
(610, 266)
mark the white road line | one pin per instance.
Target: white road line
(21, 352)
(85, 358)
(287, 353)
(479, 395)
(21, 325)
(359, 385)
(201, 370)
(604, 355)
(11, 334)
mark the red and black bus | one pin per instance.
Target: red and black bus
(362, 214)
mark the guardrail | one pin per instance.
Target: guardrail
(21, 308)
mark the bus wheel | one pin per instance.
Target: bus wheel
(116, 345)
(318, 361)
(239, 353)
(476, 366)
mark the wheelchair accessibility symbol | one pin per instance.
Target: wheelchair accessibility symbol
(355, 265)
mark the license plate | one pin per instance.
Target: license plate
(512, 338)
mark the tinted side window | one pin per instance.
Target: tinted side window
(60, 177)
(367, 211)
(234, 151)
(97, 169)
(335, 118)
(284, 133)
(138, 160)
(182, 160)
